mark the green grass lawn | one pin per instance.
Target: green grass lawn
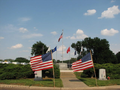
(31, 82)
(92, 82)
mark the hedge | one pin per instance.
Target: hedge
(12, 71)
(112, 70)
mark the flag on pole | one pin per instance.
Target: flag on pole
(82, 64)
(61, 36)
(75, 52)
(55, 49)
(41, 62)
(48, 50)
(68, 50)
(81, 50)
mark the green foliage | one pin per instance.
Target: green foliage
(11, 60)
(49, 72)
(118, 57)
(39, 48)
(12, 71)
(21, 59)
(100, 50)
(112, 70)
(31, 82)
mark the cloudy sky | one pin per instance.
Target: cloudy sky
(23, 23)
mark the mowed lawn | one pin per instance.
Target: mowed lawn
(92, 82)
(31, 82)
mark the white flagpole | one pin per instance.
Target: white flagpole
(62, 46)
(69, 60)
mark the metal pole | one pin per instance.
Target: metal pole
(93, 67)
(53, 70)
(62, 46)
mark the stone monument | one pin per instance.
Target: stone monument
(63, 66)
(102, 74)
(38, 76)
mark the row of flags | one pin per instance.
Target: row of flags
(42, 62)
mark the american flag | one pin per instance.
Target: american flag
(82, 64)
(41, 62)
(61, 36)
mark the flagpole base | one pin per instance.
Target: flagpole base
(38, 76)
(38, 79)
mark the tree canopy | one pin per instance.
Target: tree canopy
(21, 59)
(99, 48)
(39, 48)
(118, 56)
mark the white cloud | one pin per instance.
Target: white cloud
(23, 30)
(110, 32)
(1, 38)
(9, 28)
(110, 12)
(24, 19)
(79, 35)
(17, 46)
(90, 12)
(60, 48)
(112, 1)
(35, 29)
(54, 33)
(33, 35)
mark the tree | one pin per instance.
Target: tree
(99, 47)
(39, 48)
(21, 59)
(118, 57)
(11, 60)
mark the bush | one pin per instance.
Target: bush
(49, 72)
(12, 71)
(112, 70)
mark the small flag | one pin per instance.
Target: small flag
(48, 50)
(81, 50)
(55, 49)
(68, 50)
(82, 64)
(41, 62)
(61, 36)
(75, 52)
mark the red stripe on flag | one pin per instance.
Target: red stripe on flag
(79, 65)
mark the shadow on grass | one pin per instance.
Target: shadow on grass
(82, 79)
(75, 80)
(47, 80)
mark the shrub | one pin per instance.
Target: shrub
(112, 70)
(49, 72)
(11, 71)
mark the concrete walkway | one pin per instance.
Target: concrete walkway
(70, 81)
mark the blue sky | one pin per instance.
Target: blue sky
(24, 22)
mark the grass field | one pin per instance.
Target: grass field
(92, 82)
(31, 82)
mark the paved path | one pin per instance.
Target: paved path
(70, 81)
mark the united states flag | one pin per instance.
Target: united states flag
(41, 62)
(82, 64)
(61, 36)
